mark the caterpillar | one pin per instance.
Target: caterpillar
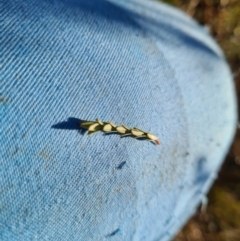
(123, 130)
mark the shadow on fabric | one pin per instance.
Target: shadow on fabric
(101, 8)
(72, 123)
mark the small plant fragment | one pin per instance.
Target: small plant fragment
(109, 127)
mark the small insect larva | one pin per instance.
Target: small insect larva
(109, 127)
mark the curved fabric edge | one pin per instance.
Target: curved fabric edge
(209, 164)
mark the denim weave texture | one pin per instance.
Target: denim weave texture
(138, 63)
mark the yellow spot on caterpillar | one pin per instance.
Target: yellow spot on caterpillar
(137, 133)
(121, 129)
(94, 127)
(107, 128)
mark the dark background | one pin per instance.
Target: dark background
(221, 220)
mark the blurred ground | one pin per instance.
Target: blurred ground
(221, 220)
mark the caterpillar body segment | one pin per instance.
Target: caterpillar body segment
(137, 133)
(94, 127)
(121, 129)
(126, 127)
(99, 122)
(109, 127)
(154, 138)
(86, 124)
(113, 125)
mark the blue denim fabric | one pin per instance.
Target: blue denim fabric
(138, 63)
